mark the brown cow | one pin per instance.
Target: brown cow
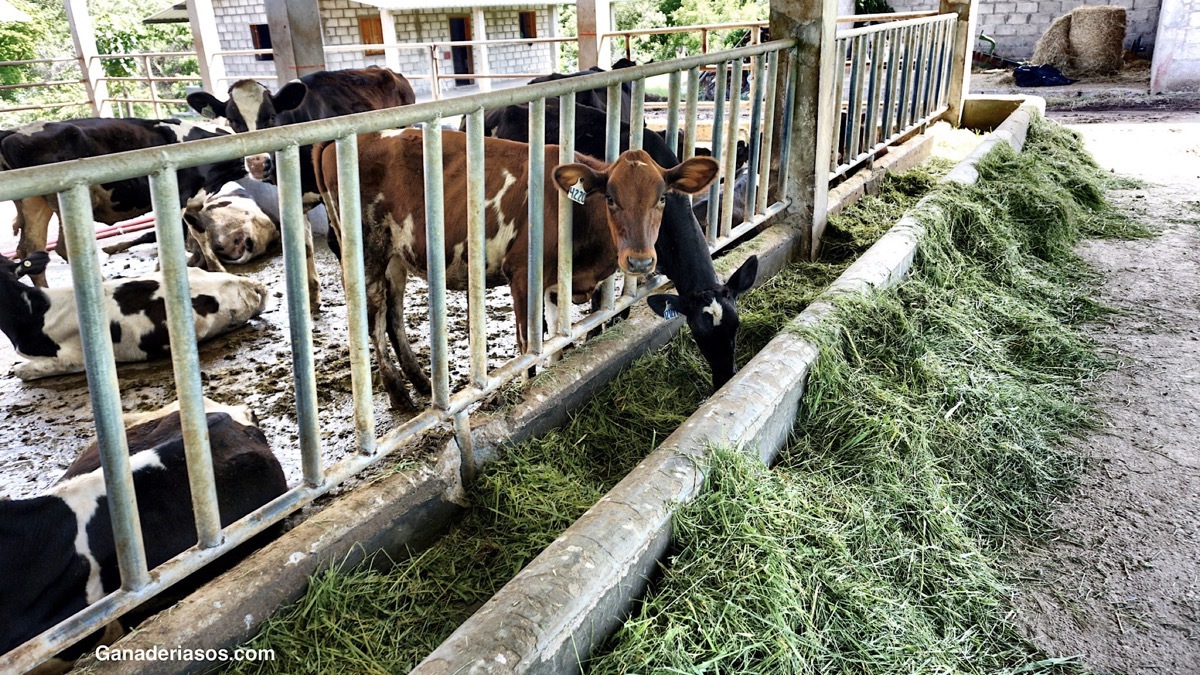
(616, 226)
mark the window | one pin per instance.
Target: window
(260, 34)
(371, 30)
(528, 24)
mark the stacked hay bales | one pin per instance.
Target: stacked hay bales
(1088, 41)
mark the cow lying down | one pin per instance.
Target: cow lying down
(57, 553)
(43, 326)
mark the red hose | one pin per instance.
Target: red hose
(124, 227)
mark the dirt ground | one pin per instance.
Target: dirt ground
(1119, 588)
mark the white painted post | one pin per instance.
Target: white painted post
(960, 59)
(479, 32)
(593, 19)
(85, 48)
(204, 33)
(814, 25)
(296, 38)
(391, 55)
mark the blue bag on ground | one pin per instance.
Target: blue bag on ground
(1040, 76)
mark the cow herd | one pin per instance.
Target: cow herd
(633, 215)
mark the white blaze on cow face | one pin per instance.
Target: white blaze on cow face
(82, 495)
(717, 312)
(247, 97)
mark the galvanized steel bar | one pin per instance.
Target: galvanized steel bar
(435, 262)
(918, 74)
(466, 446)
(857, 75)
(537, 224)
(907, 71)
(295, 271)
(764, 176)
(756, 108)
(789, 111)
(612, 150)
(907, 23)
(889, 90)
(840, 128)
(476, 248)
(637, 114)
(350, 234)
(672, 134)
(871, 136)
(566, 214)
(731, 141)
(714, 192)
(689, 125)
(78, 228)
(185, 361)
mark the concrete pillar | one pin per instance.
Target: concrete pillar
(593, 20)
(1176, 62)
(391, 55)
(296, 38)
(845, 7)
(479, 32)
(84, 36)
(813, 24)
(204, 33)
(960, 58)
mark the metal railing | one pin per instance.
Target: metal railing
(896, 79)
(71, 181)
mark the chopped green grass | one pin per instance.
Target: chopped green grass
(930, 436)
(386, 618)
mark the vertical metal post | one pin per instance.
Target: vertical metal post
(185, 362)
(764, 174)
(918, 73)
(906, 75)
(637, 115)
(731, 141)
(693, 93)
(295, 271)
(434, 74)
(566, 214)
(889, 91)
(852, 109)
(466, 446)
(150, 85)
(756, 108)
(537, 222)
(963, 39)
(714, 192)
(435, 261)
(841, 129)
(673, 113)
(78, 228)
(477, 248)
(789, 112)
(871, 137)
(612, 150)
(354, 279)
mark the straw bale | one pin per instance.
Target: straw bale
(1054, 47)
(1097, 38)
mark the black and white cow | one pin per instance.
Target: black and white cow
(42, 143)
(681, 249)
(44, 327)
(57, 553)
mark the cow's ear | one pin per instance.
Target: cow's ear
(567, 176)
(741, 280)
(206, 104)
(191, 214)
(693, 175)
(290, 96)
(34, 263)
(666, 305)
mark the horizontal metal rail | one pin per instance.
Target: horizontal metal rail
(72, 178)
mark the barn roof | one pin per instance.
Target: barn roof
(176, 13)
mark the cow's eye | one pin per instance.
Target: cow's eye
(610, 200)
(663, 199)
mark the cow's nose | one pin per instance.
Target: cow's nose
(249, 244)
(640, 265)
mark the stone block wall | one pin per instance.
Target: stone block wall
(1016, 25)
(340, 25)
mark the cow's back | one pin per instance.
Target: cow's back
(344, 92)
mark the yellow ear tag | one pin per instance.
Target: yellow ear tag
(577, 193)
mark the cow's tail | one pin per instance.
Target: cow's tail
(324, 159)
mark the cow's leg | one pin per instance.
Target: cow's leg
(200, 251)
(398, 330)
(519, 287)
(314, 284)
(32, 226)
(378, 326)
(40, 367)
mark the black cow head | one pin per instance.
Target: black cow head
(35, 263)
(713, 318)
(250, 105)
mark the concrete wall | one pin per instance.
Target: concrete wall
(1016, 25)
(340, 18)
(1176, 65)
